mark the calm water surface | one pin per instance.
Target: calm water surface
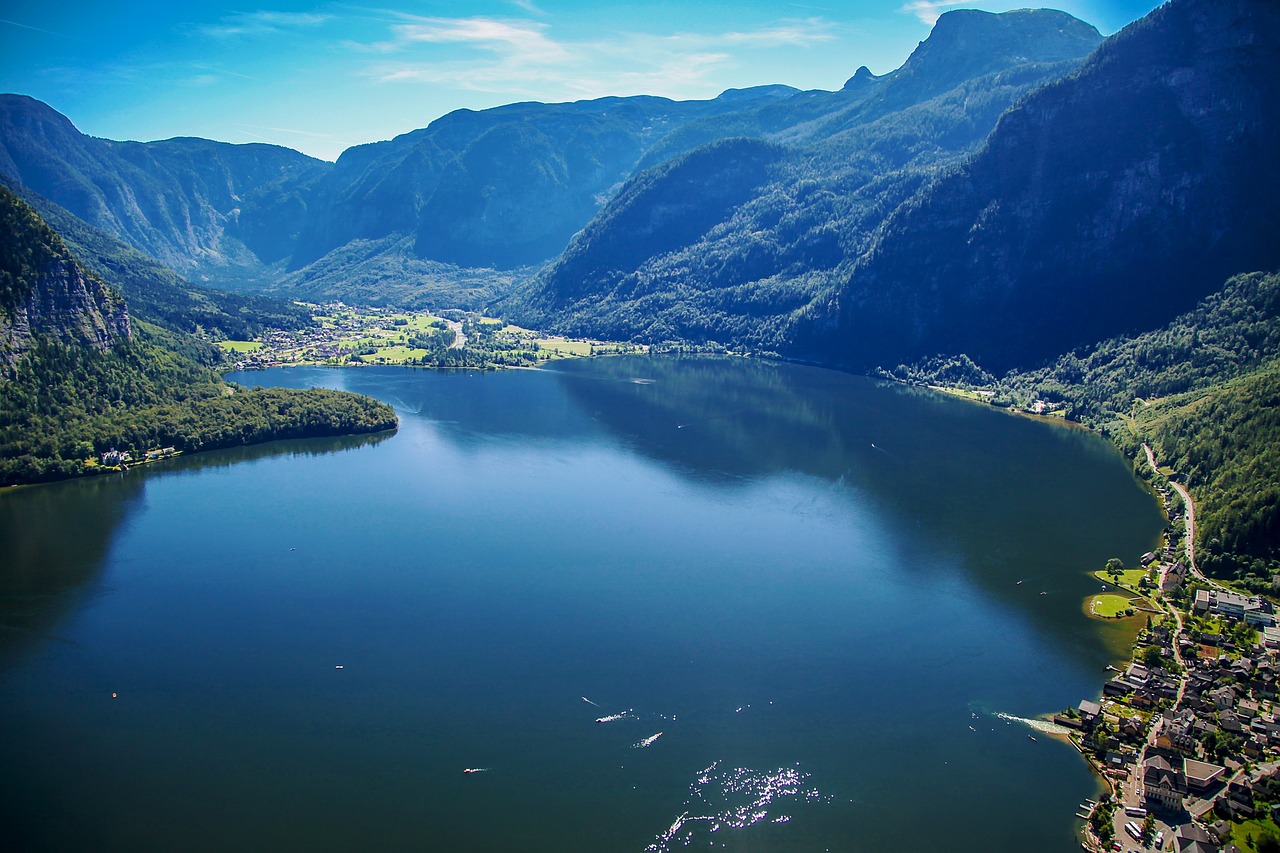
(807, 583)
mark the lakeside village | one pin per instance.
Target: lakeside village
(349, 336)
(1186, 736)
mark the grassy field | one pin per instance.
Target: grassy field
(1130, 578)
(395, 354)
(240, 346)
(1109, 606)
(386, 337)
(1255, 829)
(562, 347)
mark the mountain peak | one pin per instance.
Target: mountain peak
(860, 78)
(966, 43)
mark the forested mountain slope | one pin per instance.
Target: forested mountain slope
(219, 209)
(1203, 390)
(156, 293)
(793, 232)
(1110, 200)
(77, 378)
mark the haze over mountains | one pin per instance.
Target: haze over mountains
(992, 196)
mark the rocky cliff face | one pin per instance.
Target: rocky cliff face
(45, 294)
(68, 306)
(1106, 202)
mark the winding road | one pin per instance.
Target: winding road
(1190, 541)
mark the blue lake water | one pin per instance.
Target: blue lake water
(805, 581)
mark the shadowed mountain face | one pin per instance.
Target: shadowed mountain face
(45, 294)
(1109, 201)
(758, 247)
(1105, 200)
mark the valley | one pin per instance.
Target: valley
(1022, 215)
(349, 336)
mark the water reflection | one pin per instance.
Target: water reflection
(55, 538)
(1024, 507)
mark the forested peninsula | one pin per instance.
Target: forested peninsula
(80, 378)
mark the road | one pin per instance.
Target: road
(1190, 541)
(460, 340)
(1130, 791)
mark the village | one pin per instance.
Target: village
(1186, 736)
(350, 336)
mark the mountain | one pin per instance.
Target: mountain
(501, 188)
(45, 295)
(214, 208)
(78, 377)
(156, 293)
(850, 158)
(1204, 391)
(1108, 201)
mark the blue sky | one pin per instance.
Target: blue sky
(321, 77)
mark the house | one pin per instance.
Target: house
(1174, 577)
(1089, 711)
(1195, 839)
(1223, 697)
(1202, 601)
(1164, 785)
(1255, 748)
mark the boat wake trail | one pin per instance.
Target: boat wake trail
(646, 742)
(1039, 725)
(589, 702)
(613, 718)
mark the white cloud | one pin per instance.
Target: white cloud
(929, 11)
(262, 22)
(517, 40)
(528, 6)
(522, 58)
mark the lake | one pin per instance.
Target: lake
(832, 598)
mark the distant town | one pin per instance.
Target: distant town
(345, 335)
(1186, 736)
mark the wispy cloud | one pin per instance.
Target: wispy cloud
(523, 58)
(38, 29)
(929, 11)
(519, 41)
(262, 22)
(291, 131)
(528, 6)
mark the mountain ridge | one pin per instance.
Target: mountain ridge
(1158, 185)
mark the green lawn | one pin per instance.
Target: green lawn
(240, 346)
(563, 347)
(1240, 833)
(1130, 578)
(395, 355)
(1108, 606)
